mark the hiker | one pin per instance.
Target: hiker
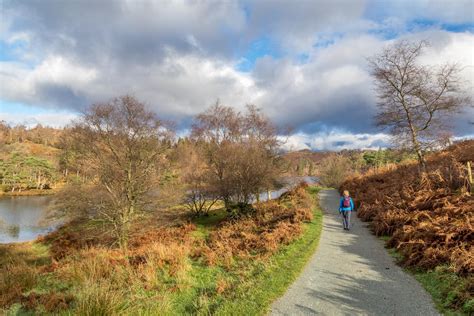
(346, 206)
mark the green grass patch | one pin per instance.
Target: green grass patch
(450, 292)
(205, 223)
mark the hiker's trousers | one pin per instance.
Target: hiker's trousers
(346, 219)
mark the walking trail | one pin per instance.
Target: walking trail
(352, 274)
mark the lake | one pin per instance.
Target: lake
(23, 218)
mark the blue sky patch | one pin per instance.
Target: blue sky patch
(20, 108)
(12, 51)
(258, 49)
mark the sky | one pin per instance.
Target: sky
(304, 63)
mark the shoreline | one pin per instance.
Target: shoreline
(34, 192)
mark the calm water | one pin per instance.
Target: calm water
(24, 218)
(288, 184)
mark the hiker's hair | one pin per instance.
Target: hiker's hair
(345, 193)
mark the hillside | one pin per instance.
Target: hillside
(29, 159)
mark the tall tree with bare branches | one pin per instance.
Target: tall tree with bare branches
(415, 99)
(125, 145)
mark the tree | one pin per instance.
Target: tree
(5, 131)
(71, 165)
(240, 151)
(334, 170)
(414, 99)
(199, 194)
(125, 146)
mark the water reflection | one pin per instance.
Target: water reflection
(24, 218)
(288, 184)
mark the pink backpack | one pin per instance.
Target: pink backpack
(346, 202)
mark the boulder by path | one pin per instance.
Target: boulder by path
(351, 273)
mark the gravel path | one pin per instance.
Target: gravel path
(352, 274)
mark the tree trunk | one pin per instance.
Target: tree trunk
(419, 152)
(469, 174)
(227, 204)
(414, 139)
(123, 232)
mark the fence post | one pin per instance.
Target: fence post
(469, 174)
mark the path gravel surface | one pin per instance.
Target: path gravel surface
(351, 273)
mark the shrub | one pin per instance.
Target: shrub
(15, 278)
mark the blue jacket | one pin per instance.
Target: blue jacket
(345, 209)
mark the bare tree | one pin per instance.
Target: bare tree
(125, 147)
(334, 170)
(240, 151)
(415, 99)
(199, 194)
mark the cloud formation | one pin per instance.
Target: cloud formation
(180, 56)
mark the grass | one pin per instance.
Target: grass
(171, 281)
(450, 292)
(206, 222)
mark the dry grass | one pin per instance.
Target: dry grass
(19, 268)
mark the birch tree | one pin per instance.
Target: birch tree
(415, 99)
(125, 146)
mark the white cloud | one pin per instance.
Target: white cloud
(180, 85)
(334, 87)
(21, 83)
(335, 140)
(180, 56)
(52, 119)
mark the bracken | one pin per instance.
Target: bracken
(272, 224)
